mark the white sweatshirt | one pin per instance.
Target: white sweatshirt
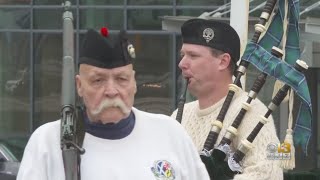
(157, 148)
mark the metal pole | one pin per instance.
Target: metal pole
(239, 18)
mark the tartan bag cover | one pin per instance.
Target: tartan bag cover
(259, 55)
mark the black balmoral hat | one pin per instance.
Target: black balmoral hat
(214, 34)
(98, 50)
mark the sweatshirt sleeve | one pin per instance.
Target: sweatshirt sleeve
(33, 164)
(42, 158)
(193, 167)
(174, 114)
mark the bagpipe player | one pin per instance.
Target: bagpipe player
(209, 53)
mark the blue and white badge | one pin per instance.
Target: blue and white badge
(163, 170)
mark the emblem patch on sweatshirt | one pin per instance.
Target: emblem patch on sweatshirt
(163, 170)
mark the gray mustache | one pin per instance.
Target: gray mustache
(107, 103)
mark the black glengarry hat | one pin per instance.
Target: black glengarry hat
(214, 34)
(98, 50)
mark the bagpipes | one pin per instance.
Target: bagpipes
(223, 150)
(217, 124)
(232, 166)
(182, 101)
(220, 162)
(69, 131)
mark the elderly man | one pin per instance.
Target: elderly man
(209, 54)
(121, 142)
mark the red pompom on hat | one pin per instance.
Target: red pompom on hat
(104, 31)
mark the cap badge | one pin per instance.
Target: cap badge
(131, 51)
(208, 34)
